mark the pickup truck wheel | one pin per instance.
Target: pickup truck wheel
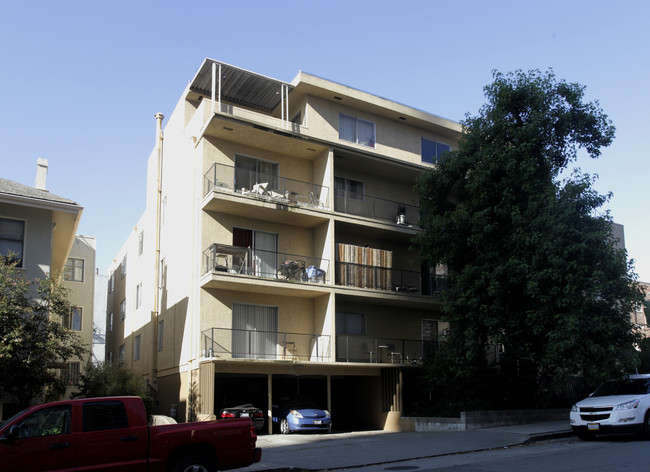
(284, 426)
(194, 463)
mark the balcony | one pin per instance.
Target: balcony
(225, 343)
(285, 267)
(365, 349)
(388, 279)
(368, 206)
(265, 187)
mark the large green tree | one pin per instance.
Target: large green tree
(531, 255)
(32, 338)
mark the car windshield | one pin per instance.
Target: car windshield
(623, 387)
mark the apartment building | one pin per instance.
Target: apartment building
(79, 279)
(38, 228)
(273, 257)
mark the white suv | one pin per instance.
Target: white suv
(617, 406)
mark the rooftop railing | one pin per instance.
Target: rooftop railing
(366, 349)
(265, 186)
(267, 264)
(229, 343)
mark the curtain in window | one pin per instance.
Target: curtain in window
(255, 331)
(347, 128)
(265, 255)
(245, 170)
(366, 132)
(250, 171)
(268, 173)
(76, 319)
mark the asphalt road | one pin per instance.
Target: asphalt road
(611, 454)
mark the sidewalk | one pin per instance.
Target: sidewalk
(348, 450)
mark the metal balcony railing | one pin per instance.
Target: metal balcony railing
(366, 349)
(378, 208)
(265, 186)
(265, 345)
(382, 278)
(267, 264)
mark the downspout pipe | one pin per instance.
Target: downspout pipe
(156, 309)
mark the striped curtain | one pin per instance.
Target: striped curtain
(255, 331)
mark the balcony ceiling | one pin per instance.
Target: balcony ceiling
(240, 86)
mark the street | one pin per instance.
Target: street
(611, 454)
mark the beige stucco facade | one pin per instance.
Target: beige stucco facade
(250, 172)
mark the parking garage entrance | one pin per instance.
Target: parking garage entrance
(355, 401)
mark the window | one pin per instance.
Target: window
(46, 422)
(349, 188)
(136, 347)
(110, 356)
(74, 270)
(351, 323)
(161, 334)
(265, 250)
(432, 151)
(138, 295)
(162, 275)
(70, 374)
(12, 238)
(100, 416)
(356, 130)
(250, 171)
(255, 331)
(72, 320)
(111, 283)
(429, 337)
(109, 322)
(123, 310)
(124, 266)
(140, 242)
(120, 354)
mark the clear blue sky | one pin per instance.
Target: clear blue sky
(80, 81)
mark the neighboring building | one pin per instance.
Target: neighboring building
(255, 172)
(99, 319)
(79, 279)
(37, 226)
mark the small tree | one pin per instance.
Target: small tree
(107, 379)
(32, 338)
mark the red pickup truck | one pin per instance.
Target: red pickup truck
(113, 434)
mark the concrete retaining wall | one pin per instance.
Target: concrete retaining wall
(483, 419)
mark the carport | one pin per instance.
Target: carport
(358, 397)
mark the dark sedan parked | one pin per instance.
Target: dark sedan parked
(245, 411)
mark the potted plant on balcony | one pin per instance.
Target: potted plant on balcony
(401, 215)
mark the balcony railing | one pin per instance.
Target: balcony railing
(381, 278)
(265, 345)
(265, 186)
(365, 349)
(378, 208)
(266, 264)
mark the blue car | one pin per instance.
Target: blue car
(300, 414)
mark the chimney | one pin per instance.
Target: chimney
(41, 174)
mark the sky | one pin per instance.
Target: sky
(81, 81)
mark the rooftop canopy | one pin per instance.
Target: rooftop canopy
(240, 86)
